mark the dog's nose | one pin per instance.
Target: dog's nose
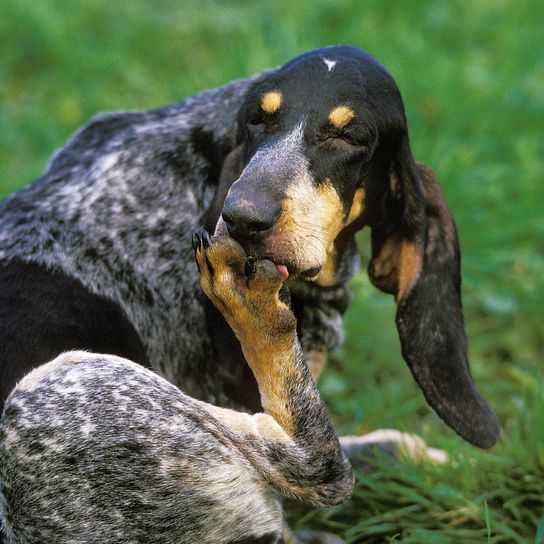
(247, 219)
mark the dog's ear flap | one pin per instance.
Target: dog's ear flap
(415, 256)
(230, 171)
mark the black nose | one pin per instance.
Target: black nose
(247, 220)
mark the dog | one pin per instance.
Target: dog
(284, 168)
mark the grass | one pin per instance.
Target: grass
(472, 76)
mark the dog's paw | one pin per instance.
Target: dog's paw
(312, 537)
(250, 294)
(394, 444)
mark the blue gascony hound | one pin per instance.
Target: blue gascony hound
(174, 414)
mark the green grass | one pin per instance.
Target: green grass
(472, 76)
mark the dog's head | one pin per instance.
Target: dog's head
(323, 151)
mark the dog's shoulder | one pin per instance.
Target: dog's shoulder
(203, 122)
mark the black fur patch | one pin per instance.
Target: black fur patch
(44, 312)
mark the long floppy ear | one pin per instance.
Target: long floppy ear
(415, 256)
(230, 172)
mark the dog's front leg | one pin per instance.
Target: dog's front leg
(294, 445)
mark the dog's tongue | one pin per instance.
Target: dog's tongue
(284, 273)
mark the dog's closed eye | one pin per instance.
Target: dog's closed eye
(341, 141)
(256, 120)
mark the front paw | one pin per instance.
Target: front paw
(250, 294)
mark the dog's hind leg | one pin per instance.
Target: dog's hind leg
(391, 442)
(95, 448)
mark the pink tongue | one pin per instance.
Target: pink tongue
(284, 273)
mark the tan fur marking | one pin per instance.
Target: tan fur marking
(410, 268)
(317, 361)
(357, 206)
(397, 267)
(330, 198)
(310, 220)
(340, 116)
(257, 425)
(271, 101)
(272, 366)
(387, 261)
(264, 326)
(313, 217)
(327, 275)
(332, 206)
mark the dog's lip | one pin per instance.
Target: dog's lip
(311, 273)
(285, 268)
(308, 274)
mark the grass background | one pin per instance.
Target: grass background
(472, 76)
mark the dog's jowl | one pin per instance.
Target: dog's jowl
(139, 428)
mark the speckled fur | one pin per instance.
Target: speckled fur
(102, 450)
(116, 212)
(115, 209)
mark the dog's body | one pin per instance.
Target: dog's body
(112, 220)
(96, 255)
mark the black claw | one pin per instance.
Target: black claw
(250, 268)
(211, 269)
(206, 239)
(196, 241)
(285, 295)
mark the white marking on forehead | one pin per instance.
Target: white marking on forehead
(289, 145)
(330, 64)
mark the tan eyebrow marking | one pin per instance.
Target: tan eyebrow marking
(271, 101)
(340, 116)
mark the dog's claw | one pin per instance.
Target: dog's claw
(196, 241)
(250, 267)
(206, 240)
(285, 295)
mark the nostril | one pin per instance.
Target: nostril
(245, 221)
(258, 226)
